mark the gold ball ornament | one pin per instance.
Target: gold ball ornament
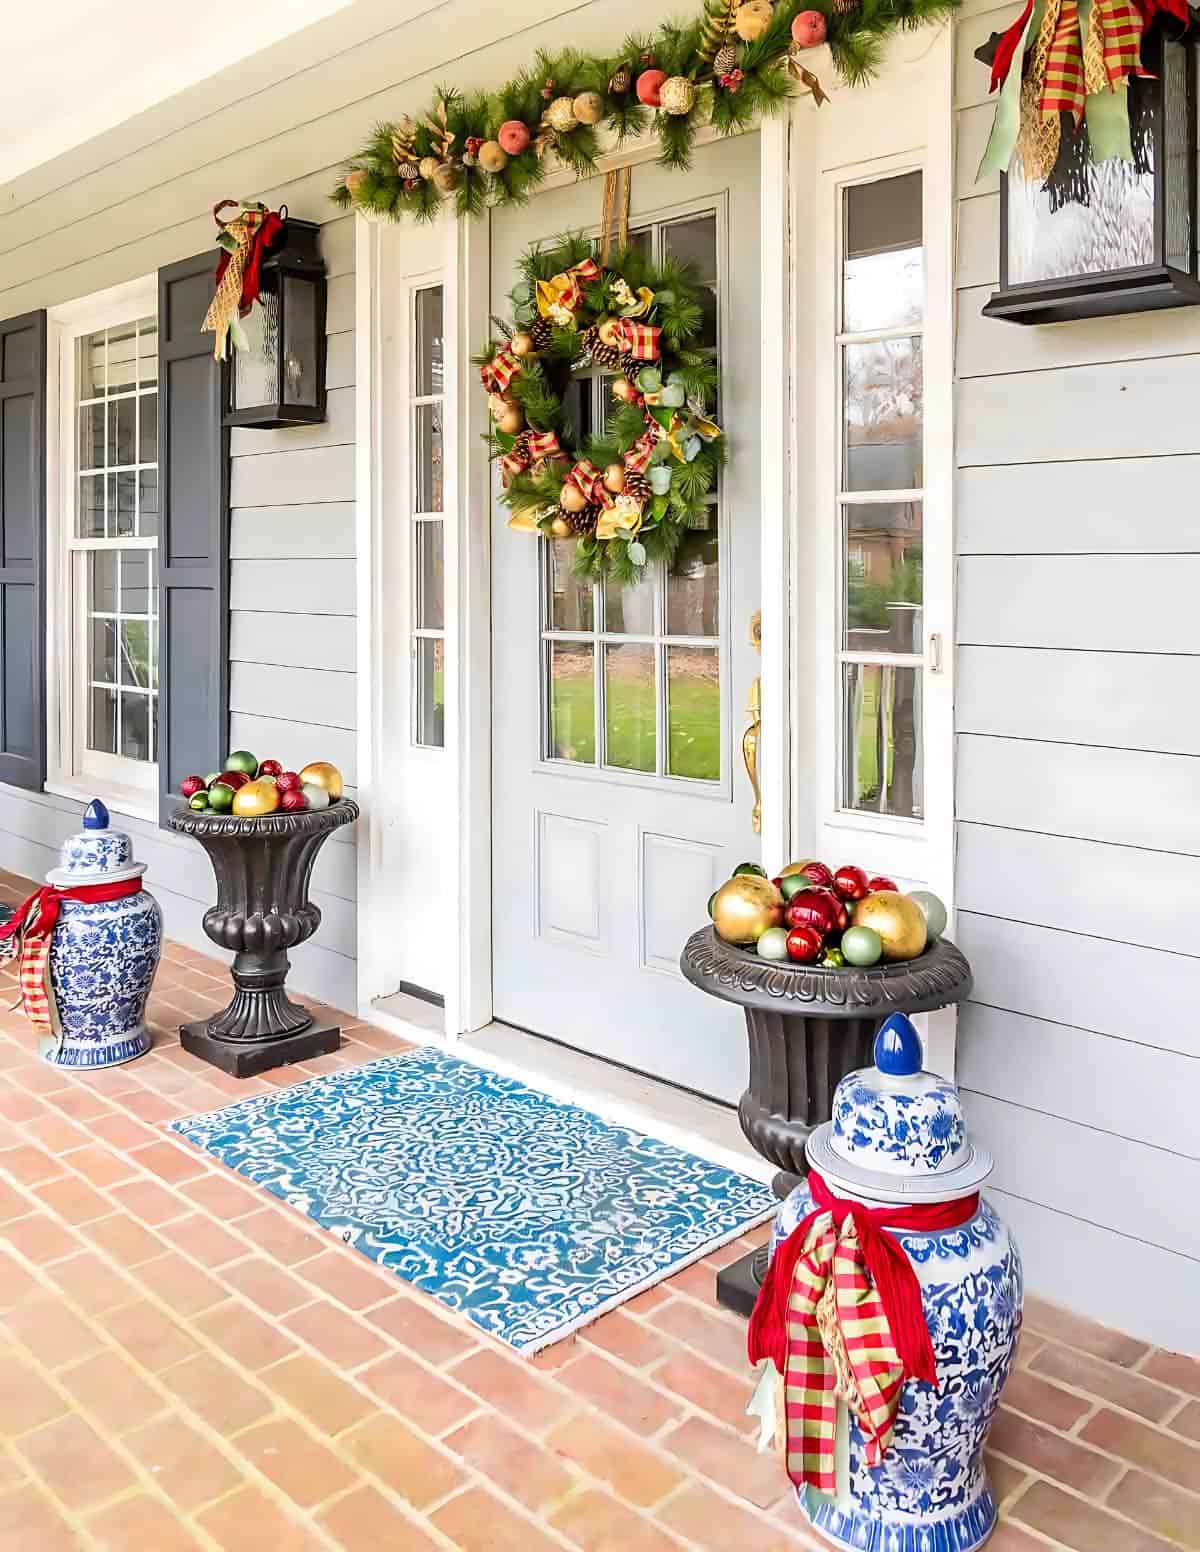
(356, 182)
(492, 156)
(445, 177)
(521, 343)
(560, 115)
(796, 867)
(427, 166)
(255, 797)
(614, 478)
(745, 907)
(561, 529)
(607, 330)
(512, 422)
(677, 95)
(589, 107)
(571, 498)
(624, 390)
(752, 19)
(322, 774)
(899, 921)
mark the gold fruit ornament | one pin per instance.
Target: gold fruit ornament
(492, 156)
(752, 19)
(614, 478)
(677, 95)
(521, 343)
(356, 182)
(255, 797)
(588, 107)
(561, 529)
(607, 330)
(445, 177)
(512, 422)
(427, 166)
(322, 774)
(560, 115)
(745, 907)
(899, 921)
(571, 498)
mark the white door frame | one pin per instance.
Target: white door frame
(467, 809)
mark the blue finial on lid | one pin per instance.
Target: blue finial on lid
(898, 1047)
(95, 816)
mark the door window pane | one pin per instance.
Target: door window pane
(694, 583)
(430, 578)
(629, 610)
(694, 713)
(571, 599)
(429, 342)
(881, 739)
(430, 692)
(881, 568)
(883, 415)
(629, 707)
(883, 272)
(428, 462)
(572, 702)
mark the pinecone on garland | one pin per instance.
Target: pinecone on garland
(541, 333)
(638, 487)
(584, 522)
(620, 81)
(631, 366)
(725, 60)
(844, 7)
(407, 170)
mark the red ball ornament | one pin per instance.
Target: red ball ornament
(288, 781)
(649, 87)
(812, 908)
(292, 801)
(850, 882)
(808, 29)
(234, 779)
(818, 872)
(804, 945)
(190, 785)
(513, 136)
(837, 906)
(874, 885)
(270, 768)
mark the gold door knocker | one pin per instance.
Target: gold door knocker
(750, 736)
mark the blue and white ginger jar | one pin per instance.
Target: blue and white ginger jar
(897, 1137)
(104, 954)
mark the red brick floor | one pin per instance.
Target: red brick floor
(185, 1362)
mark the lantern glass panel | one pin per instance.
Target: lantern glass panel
(1177, 135)
(1113, 230)
(300, 340)
(256, 369)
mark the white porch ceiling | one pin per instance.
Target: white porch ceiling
(80, 67)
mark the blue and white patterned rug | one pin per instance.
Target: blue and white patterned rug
(529, 1216)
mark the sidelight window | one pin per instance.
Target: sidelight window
(428, 525)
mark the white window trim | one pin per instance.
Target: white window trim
(127, 786)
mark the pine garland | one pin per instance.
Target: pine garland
(686, 448)
(452, 152)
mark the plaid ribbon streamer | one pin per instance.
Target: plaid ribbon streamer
(531, 449)
(591, 482)
(872, 1373)
(1063, 88)
(29, 932)
(497, 373)
(637, 459)
(1121, 28)
(639, 340)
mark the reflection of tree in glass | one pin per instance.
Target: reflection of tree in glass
(867, 601)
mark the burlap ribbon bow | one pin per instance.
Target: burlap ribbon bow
(560, 297)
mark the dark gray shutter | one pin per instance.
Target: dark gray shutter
(193, 452)
(23, 550)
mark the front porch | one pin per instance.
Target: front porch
(187, 1363)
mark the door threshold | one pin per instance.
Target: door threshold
(617, 1095)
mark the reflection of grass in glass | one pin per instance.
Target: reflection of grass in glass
(573, 710)
(629, 714)
(695, 728)
(695, 725)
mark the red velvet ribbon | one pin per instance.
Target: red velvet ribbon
(264, 234)
(889, 1268)
(36, 916)
(1007, 47)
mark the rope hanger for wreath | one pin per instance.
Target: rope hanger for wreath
(630, 492)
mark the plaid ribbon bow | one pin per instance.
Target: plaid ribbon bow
(29, 932)
(637, 459)
(639, 340)
(497, 373)
(840, 1316)
(591, 482)
(529, 451)
(562, 294)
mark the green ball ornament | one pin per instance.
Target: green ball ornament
(749, 867)
(220, 799)
(711, 901)
(773, 944)
(792, 884)
(199, 801)
(861, 946)
(834, 959)
(242, 760)
(933, 910)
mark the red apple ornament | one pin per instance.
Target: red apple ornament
(513, 136)
(190, 785)
(804, 945)
(292, 800)
(808, 29)
(649, 87)
(850, 882)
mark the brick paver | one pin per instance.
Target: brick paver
(186, 1363)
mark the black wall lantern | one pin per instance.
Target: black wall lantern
(1096, 239)
(280, 379)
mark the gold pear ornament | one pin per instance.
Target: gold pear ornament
(321, 774)
(744, 907)
(255, 798)
(899, 921)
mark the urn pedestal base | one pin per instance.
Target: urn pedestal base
(248, 1058)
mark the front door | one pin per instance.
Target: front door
(620, 796)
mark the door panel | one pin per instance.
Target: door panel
(620, 797)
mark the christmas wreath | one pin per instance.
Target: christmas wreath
(737, 61)
(630, 492)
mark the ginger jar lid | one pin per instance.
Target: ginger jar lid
(897, 1132)
(96, 854)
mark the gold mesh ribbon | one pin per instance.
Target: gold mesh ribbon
(614, 218)
(227, 299)
(1095, 73)
(1039, 137)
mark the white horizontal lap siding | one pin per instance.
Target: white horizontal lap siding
(1078, 772)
